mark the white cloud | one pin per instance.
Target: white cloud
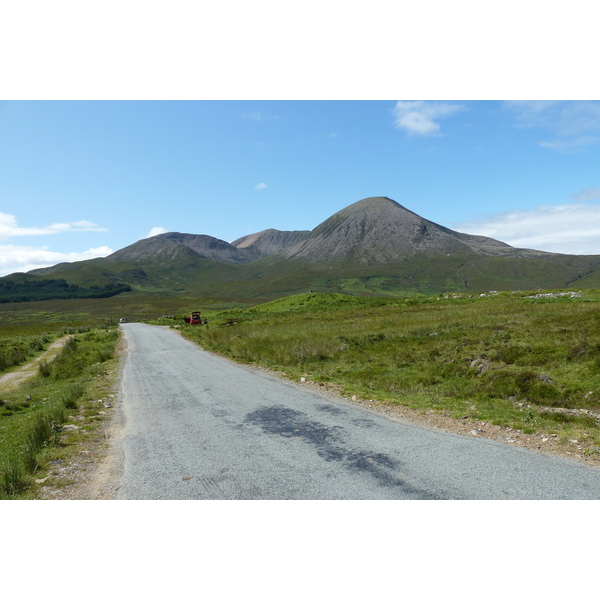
(9, 228)
(419, 116)
(566, 229)
(156, 231)
(260, 186)
(15, 259)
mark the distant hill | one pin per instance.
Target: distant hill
(374, 246)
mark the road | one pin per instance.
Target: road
(197, 426)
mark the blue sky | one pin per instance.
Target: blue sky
(83, 178)
(119, 120)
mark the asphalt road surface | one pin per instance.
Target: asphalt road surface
(198, 427)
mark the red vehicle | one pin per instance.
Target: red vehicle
(194, 319)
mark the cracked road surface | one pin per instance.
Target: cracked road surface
(197, 426)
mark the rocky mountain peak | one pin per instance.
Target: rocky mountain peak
(381, 230)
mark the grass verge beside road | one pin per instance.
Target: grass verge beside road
(40, 419)
(524, 361)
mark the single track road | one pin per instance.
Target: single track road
(197, 426)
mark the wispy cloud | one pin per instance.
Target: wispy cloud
(566, 229)
(261, 186)
(571, 124)
(256, 115)
(419, 117)
(15, 259)
(587, 195)
(9, 228)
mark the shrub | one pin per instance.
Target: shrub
(45, 369)
(72, 394)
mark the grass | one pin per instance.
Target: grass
(509, 358)
(32, 415)
(527, 363)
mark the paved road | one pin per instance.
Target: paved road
(199, 427)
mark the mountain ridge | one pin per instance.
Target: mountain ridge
(374, 246)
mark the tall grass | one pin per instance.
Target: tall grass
(31, 417)
(506, 358)
(15, 350)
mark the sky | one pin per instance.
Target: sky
(229, 119)
(82, 178)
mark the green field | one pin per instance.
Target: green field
(532, 364)
(33, 413)
(522, 360)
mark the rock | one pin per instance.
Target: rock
(481, 365)
(70, 428)
(302, 379)
(545, 378)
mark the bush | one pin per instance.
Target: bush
(45, 369)
(72, 394)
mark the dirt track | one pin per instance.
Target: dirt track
(12, 380)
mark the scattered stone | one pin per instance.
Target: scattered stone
(560, 295)
(302, 379)
(481, 365)
(70, 427)
(545, 378)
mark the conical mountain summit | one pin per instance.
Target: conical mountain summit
(379, 229)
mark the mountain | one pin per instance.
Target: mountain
(269, 242)
(171, 246)
(379, 230)
(374, 246)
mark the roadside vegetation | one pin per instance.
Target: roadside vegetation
(34, 415)
(525, 360)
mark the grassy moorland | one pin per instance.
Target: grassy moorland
(67, 390)
(33, 414)
(523, 360)
(511, 359)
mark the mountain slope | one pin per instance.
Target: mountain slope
(269, 242)
(170, 246)
(380, 230)
(374, 246)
